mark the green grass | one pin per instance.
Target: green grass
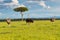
(39, 30)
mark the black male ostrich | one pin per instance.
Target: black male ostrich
(29, 20)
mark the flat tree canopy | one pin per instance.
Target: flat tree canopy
(21, 9)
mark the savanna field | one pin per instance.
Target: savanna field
(39, 30)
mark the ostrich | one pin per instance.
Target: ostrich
(29, 20)
(52, 19)
(8, 20)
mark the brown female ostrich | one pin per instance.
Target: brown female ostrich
(8, 20)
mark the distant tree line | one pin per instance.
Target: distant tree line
(2, 20)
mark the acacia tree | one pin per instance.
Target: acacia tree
(21, 10)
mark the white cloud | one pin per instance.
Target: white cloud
(1, 0)
(14, 3)
(49, 7)
(22, 5)
(41, 3)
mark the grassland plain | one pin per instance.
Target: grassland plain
(39, 30)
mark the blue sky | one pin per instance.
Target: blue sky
(37, 8)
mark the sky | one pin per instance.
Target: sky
(36, 8)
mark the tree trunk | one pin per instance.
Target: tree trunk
(22, 16)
